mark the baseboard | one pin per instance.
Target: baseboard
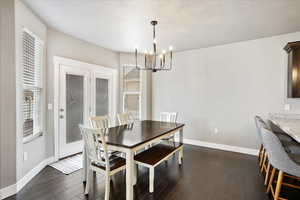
(32, 173)
(221, 146)
(13, 189)
(8, 191)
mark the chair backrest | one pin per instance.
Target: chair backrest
(100, 122)
(168, 117)
(125, 118)
(94, 140)
(259, 122)
(277, 155)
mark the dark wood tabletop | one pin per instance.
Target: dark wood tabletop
(130, 136)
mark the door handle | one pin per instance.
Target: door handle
(61, 116)
(61, 110)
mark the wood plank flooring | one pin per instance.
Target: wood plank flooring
(206, 174)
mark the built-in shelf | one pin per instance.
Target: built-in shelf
(132, 80)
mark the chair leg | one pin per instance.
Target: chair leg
(107, 186)
(180, 156)
(87, 186)
(278, 185)
(151, 179)
(271, 180)
(135, 169)
(267, 173)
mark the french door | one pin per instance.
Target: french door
(83, 92)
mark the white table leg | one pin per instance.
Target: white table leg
(181, 135)
(180, 157)
(129, 174)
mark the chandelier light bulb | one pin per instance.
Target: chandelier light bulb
(171, 48)
(154, 40)
(164, 51)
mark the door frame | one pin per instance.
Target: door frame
(78, 64)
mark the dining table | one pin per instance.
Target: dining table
(132, 138)
(290, 127)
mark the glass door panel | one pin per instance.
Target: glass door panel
(102, 96)
(74, 106)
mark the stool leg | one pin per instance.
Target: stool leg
(260, 150)
(278, 185)
(261, 157)
(263, 163)
(267, 173)
(271, 180)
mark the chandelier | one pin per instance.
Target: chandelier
(152, 60)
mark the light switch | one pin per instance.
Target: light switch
(25, 156)
(287, 107)
(50, 107)
(216, 130)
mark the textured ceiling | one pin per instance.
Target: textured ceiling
(185, 24)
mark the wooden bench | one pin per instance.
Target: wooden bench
(157, 154)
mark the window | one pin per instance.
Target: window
(32, 62)
(132, 91)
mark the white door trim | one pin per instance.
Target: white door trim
(74, 63)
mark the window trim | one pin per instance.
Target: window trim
(22, 87)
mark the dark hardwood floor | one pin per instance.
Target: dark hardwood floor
(206, 174)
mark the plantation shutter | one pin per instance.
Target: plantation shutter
(32, 64)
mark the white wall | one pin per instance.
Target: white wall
(7, 94)
(224, 87)
(60, 44)
(35, 149)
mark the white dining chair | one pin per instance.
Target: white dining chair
(100, 161)
(125, 118)
(169, 117)
(102, 122)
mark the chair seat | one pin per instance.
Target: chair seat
(155, 154)
(115, 162)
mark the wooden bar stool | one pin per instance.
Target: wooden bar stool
(280, 162)
(262, 156)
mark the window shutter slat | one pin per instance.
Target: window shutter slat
(32, 64)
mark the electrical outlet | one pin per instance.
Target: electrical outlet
(216, 130)
(287, 107)
(25, 156)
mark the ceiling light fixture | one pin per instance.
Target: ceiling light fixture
(155, 61)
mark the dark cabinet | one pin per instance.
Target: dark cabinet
(293, 80)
